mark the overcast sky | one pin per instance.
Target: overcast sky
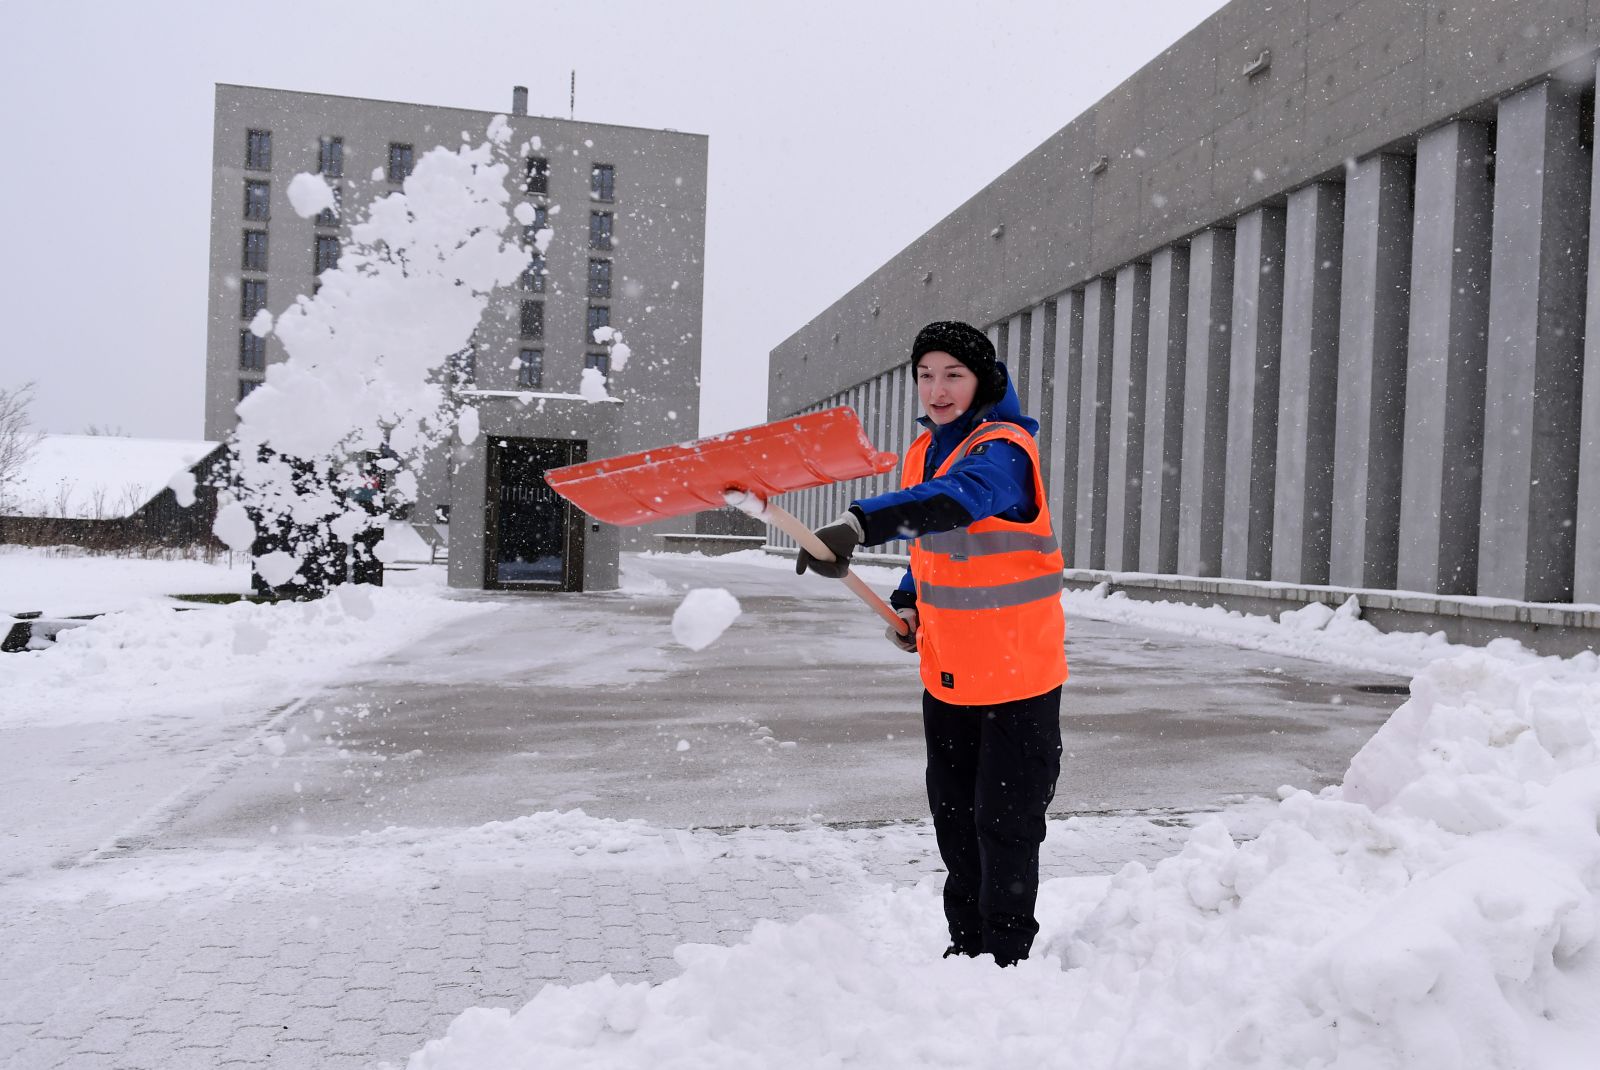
(840, 131)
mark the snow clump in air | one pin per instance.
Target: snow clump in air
(310, 194)
(234, 527)
(610, 336)
(363, 376)
(702, 617)
(593, 385)
(182, 487)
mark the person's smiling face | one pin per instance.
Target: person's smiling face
(945, 386)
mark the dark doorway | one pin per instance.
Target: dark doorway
(534, 536)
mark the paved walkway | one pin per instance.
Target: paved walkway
(222, 961)
(368, 862)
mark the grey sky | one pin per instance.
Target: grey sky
(840, 131)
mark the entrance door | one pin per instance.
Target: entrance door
(535, 536)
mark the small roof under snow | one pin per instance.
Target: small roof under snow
(90, 477)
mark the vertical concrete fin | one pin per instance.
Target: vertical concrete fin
(1125, 462)
(1302, 500)
(1252, 449)
(1207, 349)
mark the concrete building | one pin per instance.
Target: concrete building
(1301, 309)
(627, 206)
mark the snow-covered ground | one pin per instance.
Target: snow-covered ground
(131, 707)
(64, 581)
(1436, 908)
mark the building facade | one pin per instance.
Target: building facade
(627, 208)
(1300, 305)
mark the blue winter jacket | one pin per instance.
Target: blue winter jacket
(995, 482)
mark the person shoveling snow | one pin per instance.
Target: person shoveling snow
(982, 600)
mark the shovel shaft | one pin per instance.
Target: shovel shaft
(791, 525)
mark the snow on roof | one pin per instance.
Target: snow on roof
(98, 476)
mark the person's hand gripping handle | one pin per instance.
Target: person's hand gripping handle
(818, 550)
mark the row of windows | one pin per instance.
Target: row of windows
(530, 363)
(324, 253)
(600, 228)
(402, 160)
(531, 320)
(602, 179)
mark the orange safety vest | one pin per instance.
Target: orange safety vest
(991, 628)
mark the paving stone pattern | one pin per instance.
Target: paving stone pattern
(342, 977)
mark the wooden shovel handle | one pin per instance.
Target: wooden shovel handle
(790, 524)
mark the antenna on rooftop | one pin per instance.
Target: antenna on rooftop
(572, 96)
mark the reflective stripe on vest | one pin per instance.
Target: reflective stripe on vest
(964, 543)
(1000, 596)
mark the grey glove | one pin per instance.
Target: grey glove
(908, 641)
(842, 537)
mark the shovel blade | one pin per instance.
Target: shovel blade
(768, 460)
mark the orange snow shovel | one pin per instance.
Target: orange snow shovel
(744, 469)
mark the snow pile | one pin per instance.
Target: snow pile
(703, 615)
(1314, 631)
(155, 659)
(1438, 909)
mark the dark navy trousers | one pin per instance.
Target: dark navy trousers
(991, 775)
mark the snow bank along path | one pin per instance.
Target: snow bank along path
(1438, 908)
(155, 660)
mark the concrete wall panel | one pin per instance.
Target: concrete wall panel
(1533, 392)
(1307, 384)
(1207, 359)
(1125, 468)
(1164, 402)
(1094, 423)
(1252, 450)
(1374, 310)
(1441, 478)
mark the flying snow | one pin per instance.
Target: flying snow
(703, 615)
(310, 194)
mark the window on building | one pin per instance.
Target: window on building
(246, 386)
(600, 230)
(252, 351)
(533, 276)
(599, 316)
(252, 297)
(400, 161)
(530, 368)
(329, 217)
(257, 200)
(530, 233)
(533, 319)
(258, 150)
(326, 254)
(536, 175)
(599, 278)
(603, 182)
(330, 157)
(601, 362)
(255, 250)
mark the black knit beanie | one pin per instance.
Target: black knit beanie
(971, 347)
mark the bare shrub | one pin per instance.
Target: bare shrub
(17, 439)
